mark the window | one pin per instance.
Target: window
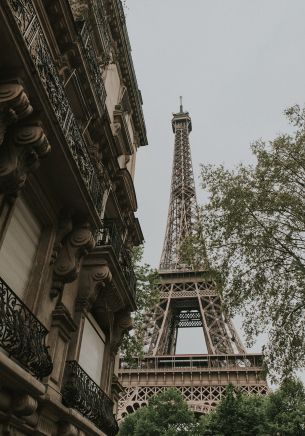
(19, 247)
(92, 350)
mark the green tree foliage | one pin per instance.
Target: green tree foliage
(147, 295)
(255, 234)
(237, 414)
(285, 410)
(281, 413)
(167, 414)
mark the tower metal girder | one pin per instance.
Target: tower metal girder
(199, 306)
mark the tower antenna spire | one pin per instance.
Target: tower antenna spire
(181, 107)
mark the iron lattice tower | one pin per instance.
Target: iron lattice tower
(188, 298)
(183, 209)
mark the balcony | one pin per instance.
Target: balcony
(100, 16)
(92, 63)
(27, 21)
(22, 335)
(193, 363)
(81, 393)
(109, 238)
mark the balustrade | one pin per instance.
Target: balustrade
(26, 18)
(81, 393)
(100, 15)
(195, 362)
(109, 235)
(92, 62)
(22, 335)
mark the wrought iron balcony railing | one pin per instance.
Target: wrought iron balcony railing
(22, 336)
(127, 267)
(109, 235)
(26, 18)
(81, 393)
(92, 61)
(100, 15)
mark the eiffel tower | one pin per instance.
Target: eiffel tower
(189, 298)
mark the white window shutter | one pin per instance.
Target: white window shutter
(92, 350)
(19, 247)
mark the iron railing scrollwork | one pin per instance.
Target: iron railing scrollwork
(28, 23)
(92, 62)
(22, 335)
(127, 267)
(109, 234)
(100, 15)
(81, 393)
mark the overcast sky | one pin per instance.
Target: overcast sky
(237, 63)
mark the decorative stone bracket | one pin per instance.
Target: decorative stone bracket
(14, 105)
(93, 280)
(22, 144)
(19, 155)
(122, 323)
(68, 254)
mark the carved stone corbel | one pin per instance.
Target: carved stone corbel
(65, 226)
(122, 323)
(93, 280)
(14, 105)
(19, 154)
(106, 305)
(74, 246)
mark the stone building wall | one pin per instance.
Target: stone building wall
(71, 122)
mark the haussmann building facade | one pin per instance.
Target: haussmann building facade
(71, 121)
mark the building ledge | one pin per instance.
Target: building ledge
(14, 376)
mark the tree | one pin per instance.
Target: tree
(280, 413)
(166, 414)
(254, 225)
(285, 409)
(237, 414)
(147, 295)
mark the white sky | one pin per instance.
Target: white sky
(238, 65)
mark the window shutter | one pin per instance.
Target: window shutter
(18, 251)
(92, 350)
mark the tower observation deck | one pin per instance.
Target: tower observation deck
(189, 298)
